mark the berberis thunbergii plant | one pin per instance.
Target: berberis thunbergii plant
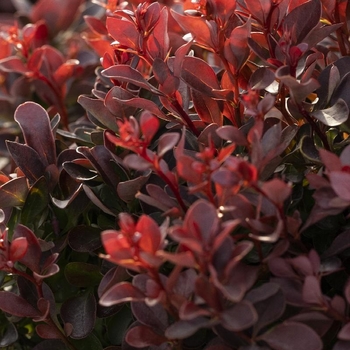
(175, 175)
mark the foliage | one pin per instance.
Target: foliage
(175, 175)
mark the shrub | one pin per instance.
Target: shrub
(196, 197)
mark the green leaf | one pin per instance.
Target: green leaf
(82, 274)
(36, 201)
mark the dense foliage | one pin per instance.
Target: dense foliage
(175, 175)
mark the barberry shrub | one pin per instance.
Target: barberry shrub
(175, 175)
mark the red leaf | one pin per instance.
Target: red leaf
(236, 48)
(259, 9)
(16, 305)
(33, 255)
(198, 27)
(158, 41)
(121, 293)
(150, 234)
(124, 32)
(96, 25)
(18, 248)
(201, 77)
(13, 64)
(277, 190)
(149, 125)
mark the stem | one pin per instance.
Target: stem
(185, 117)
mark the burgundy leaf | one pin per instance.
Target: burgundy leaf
(302, 19)
(344, 333)
(184, 329)
(312, 291)
(46, 331)
(283, 337)
(35, 124)
(123, 72)
(16, 305)
(143, 336)
(154, 317)
(239, 317)
(99, 111)
(84, 239)
(167, 142)
(316, 320)
(127, 190)
(120, 293)
(269, 303)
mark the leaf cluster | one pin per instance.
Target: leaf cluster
(175, 175)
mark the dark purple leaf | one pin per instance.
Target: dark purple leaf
(154, 317)
(127, 190)
(92, 196)
(143, 336)
(269, 303)
(283, 337)
(13, 193)
(184, 329)
(334, 115)
(316, 320)
(99, 112)
(167, 142)
(233, 134)
(84, 239)
(113, 102)
(208, 109)
(50, 344)
(27, 159)
(341, 345)
(302, 19)
(126, 73)
(239, 317)
(35, 125)
(80, 312)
